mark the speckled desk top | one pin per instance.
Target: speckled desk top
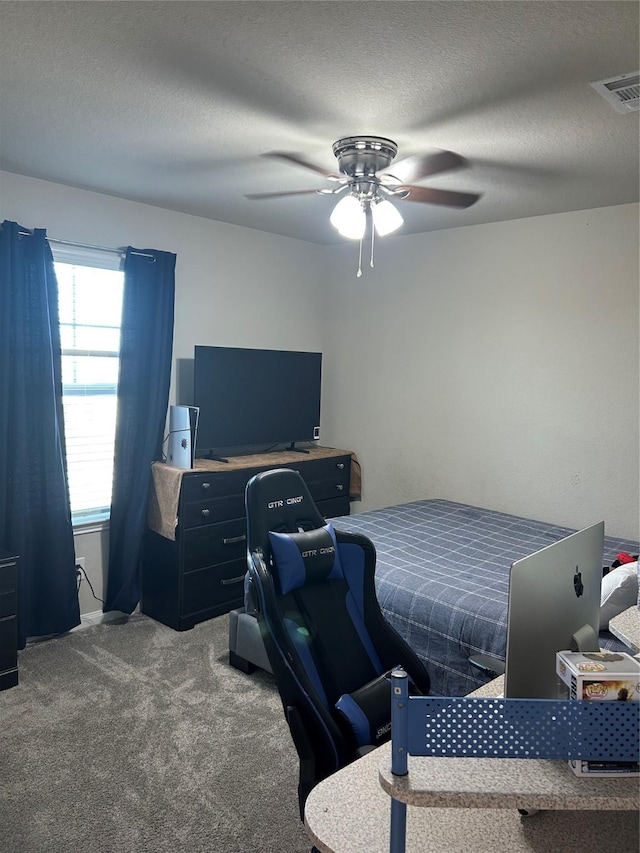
(350, 812)
(501, 783)
(626, 627)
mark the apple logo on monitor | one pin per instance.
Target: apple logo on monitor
(577, 583)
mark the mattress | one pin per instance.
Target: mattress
(442, 579)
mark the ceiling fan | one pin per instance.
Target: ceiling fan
(369, 183)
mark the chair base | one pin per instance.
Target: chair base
(246, 647)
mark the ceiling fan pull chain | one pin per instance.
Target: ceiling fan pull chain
(372, 239)
(359, 273)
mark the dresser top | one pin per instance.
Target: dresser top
(270, 460)
(166, 480)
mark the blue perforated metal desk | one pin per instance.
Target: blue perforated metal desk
(527, 736)
(471, 804)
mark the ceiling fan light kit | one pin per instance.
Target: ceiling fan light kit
(386, 217)
(348, 218)
(363, 162)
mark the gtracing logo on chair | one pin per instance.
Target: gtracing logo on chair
(287, 502)
(313, 552)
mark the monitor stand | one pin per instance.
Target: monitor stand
(585, 640)
(212, 457)
(293, 449)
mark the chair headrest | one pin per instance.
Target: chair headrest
(301, 559)
(278, 500)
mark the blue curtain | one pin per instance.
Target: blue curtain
(35, 515)
(143, 397)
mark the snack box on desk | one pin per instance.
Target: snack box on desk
(600, 676)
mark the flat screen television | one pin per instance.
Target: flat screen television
(554, 605)
(255, 397)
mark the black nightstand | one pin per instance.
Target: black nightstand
(8, 620)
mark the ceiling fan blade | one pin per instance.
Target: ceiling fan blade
(298, 161)
(429, 195)
(420, 166)
(260, 196)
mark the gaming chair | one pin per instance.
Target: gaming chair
(330, 649)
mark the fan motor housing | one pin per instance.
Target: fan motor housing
(363, 156)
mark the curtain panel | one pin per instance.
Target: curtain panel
(143, 398)
(35, 514)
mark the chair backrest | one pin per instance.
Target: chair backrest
(327, 642)
(278, 500)
(282, 504)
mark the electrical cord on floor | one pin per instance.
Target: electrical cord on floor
(81, 574)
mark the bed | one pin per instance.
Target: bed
(442, 580)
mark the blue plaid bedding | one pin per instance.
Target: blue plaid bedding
(442, 579)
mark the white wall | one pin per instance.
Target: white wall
(494, 365)
(234, 286)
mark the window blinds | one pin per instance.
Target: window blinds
(90, 311)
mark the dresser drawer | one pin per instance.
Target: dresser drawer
(215, 543)
(213, 586)
(207, 512)
(322, 490)
(8, 578)
(8, 603)
(196, 487)
(326, 478)
(336, 468)
(8, 643)
(334, 507)
(8, 590)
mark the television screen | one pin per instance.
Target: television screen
(250, 397)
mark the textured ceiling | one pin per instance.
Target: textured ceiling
(172, 103)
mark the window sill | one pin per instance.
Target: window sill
(81, 527)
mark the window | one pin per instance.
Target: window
(90, 287)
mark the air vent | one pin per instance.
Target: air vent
(622, 92)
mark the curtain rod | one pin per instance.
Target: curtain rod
(120, 252)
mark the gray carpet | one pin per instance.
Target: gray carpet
(135, 737)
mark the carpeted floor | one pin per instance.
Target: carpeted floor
(135, 737)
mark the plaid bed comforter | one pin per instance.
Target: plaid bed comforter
(442, 579)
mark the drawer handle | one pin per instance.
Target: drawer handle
(205, 486)
(205, 513)
(339, 487)
(228, 581)
(233, 539)
(340, 466)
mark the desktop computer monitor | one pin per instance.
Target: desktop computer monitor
(554, 604)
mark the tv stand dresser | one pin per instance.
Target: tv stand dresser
(195, 551)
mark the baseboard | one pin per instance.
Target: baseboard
(94, 618)
(97, 617)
